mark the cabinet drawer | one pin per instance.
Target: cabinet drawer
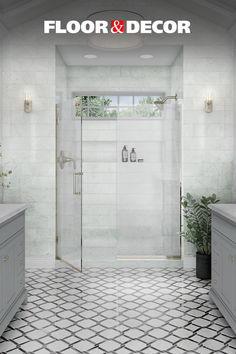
(215, 262)
(20, 262)
(20, 280)
(215, 239)
(224, 227)
(8, 229)
(20, 242)
(215, 282)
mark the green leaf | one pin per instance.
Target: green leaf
(197, 217)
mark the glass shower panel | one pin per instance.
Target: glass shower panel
(69, 182)
(148, 190)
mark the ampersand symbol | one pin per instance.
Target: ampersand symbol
(117, 26)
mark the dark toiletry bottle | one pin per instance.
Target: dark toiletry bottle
(125, 154)
(133, 156)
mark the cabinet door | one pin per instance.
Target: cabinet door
(2, 282)
(233, 251)
(7, 274)
(228, 273)
(216, 262)
(10, 271)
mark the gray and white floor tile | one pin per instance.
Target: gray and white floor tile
(120, 311)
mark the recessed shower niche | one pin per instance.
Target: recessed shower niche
(111, 212)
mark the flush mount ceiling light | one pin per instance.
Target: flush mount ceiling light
(90, 56)
(146, 56)
(112, 41)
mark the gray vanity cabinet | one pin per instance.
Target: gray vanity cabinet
(12, 267)
(223, 287)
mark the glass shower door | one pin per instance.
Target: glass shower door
(69, 185)
(148, 190)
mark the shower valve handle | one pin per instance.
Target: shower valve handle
(62, 159)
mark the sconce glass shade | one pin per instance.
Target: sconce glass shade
(27, 104)
(208, 106)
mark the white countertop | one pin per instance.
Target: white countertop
(226, 210)
(7, 211)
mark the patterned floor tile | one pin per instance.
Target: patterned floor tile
(117, 311)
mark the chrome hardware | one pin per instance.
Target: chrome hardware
(166, 99)
(5, 259)
(75, 174)
(62, 159)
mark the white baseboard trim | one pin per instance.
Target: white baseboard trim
(42, 262)
(189, 262)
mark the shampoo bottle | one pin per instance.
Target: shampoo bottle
(133, 156)
(125, 154)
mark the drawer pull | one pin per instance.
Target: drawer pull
(214, 262)
(214, 281)
(5, 259)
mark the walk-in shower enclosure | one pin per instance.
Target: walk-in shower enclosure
(110, 211)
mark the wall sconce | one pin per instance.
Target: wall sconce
(27, 103)
(209, 104)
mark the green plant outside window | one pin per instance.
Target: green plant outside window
(92, 107)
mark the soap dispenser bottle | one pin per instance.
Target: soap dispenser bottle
(133, 156)
(125, 154)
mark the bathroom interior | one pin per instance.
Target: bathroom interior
(101, 137)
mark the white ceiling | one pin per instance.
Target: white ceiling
(220, 12)
(162, 55)
(16, 12)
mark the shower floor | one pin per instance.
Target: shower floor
(119, 311)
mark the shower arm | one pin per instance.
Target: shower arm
(165, 99)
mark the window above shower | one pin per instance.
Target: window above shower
(116, 106)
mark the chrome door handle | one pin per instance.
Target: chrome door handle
(75, 174)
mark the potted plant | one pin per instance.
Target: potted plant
(197, 216)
